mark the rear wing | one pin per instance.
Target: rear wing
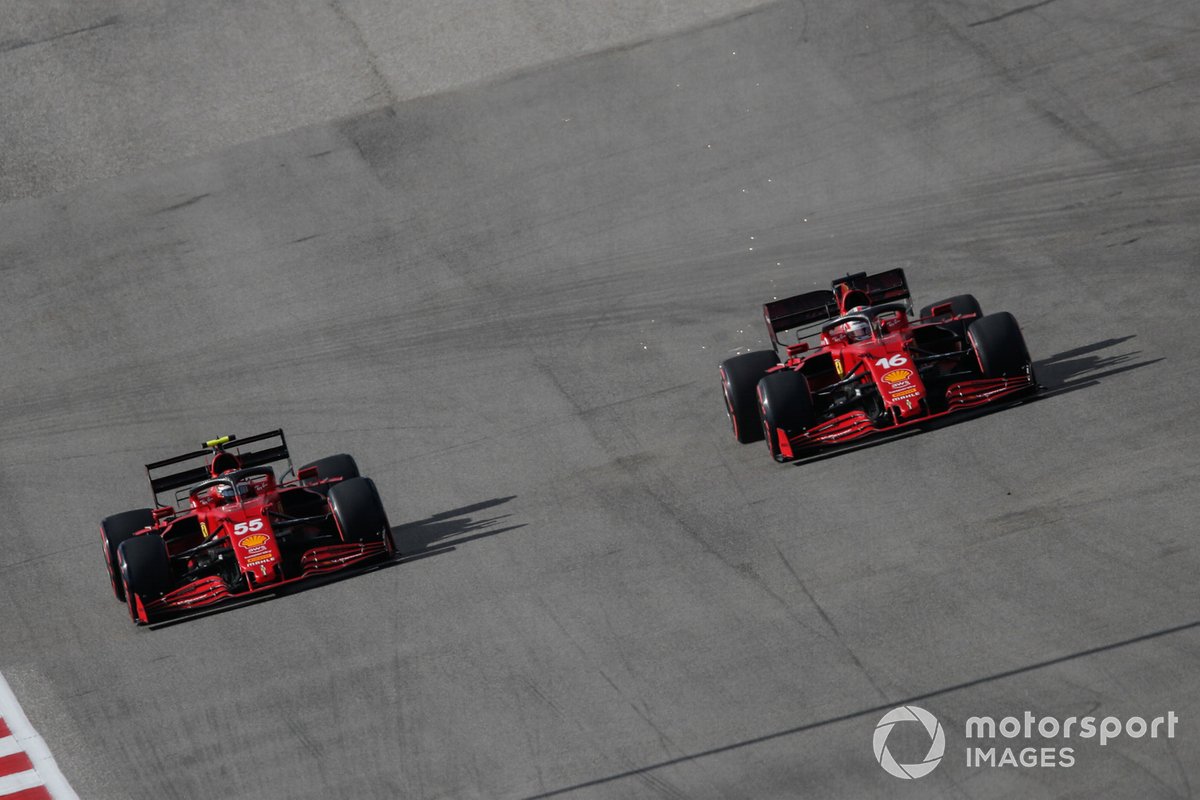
(889, 286)
(799, 311)
(274, 450)
(814, 308)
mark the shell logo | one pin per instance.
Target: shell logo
(253, 540)
(897, 375)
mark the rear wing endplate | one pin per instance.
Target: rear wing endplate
(274, 450)
(889, 286)
(799, 311)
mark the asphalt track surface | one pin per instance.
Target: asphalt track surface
(509, 300)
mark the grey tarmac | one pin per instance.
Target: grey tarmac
(506, 290)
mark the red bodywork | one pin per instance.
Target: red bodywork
(244, 529)
(239, 533)
(887, 359)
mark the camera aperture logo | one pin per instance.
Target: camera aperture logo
(937, 743)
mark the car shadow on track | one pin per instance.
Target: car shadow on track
(1059, 374)
(1083, 367)
(870, 711)
(445, 531)
(441, 533)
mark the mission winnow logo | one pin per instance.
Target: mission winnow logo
(1007, 742)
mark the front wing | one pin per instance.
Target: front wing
(213, 589)
(856, 424)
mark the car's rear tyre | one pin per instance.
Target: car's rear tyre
(359, 513)
(958, 305)
(999, 346)
(739, 378)
(113, 531)
(341, 466)
(786, 407)
(145, 572)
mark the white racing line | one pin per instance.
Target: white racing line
(27, 770)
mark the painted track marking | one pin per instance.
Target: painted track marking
(27, 770)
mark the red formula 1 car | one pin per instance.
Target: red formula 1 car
(232, 528)
(872, 367)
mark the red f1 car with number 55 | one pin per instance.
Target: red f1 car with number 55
(231, 528)
(872, 367)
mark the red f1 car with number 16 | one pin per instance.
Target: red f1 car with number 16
(872, 367)
(233, 529)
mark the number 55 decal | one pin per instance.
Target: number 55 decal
(247, 527)
(897, 360)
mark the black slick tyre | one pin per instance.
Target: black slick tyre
(999, 346)
(359, 513)
(739, 378)
(145, 572)
(113, 531)
(786, 407)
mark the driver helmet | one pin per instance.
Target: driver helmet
(856, 330)
(222, 494)
(223, 462)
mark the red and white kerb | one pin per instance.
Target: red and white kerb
(27, 770)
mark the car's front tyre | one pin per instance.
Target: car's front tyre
(785, 408)
(739, 378)
(113, 531)
(145, 571)
(359, 513)
(999, 346)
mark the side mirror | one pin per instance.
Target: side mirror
(307, 473)
(161, 513)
